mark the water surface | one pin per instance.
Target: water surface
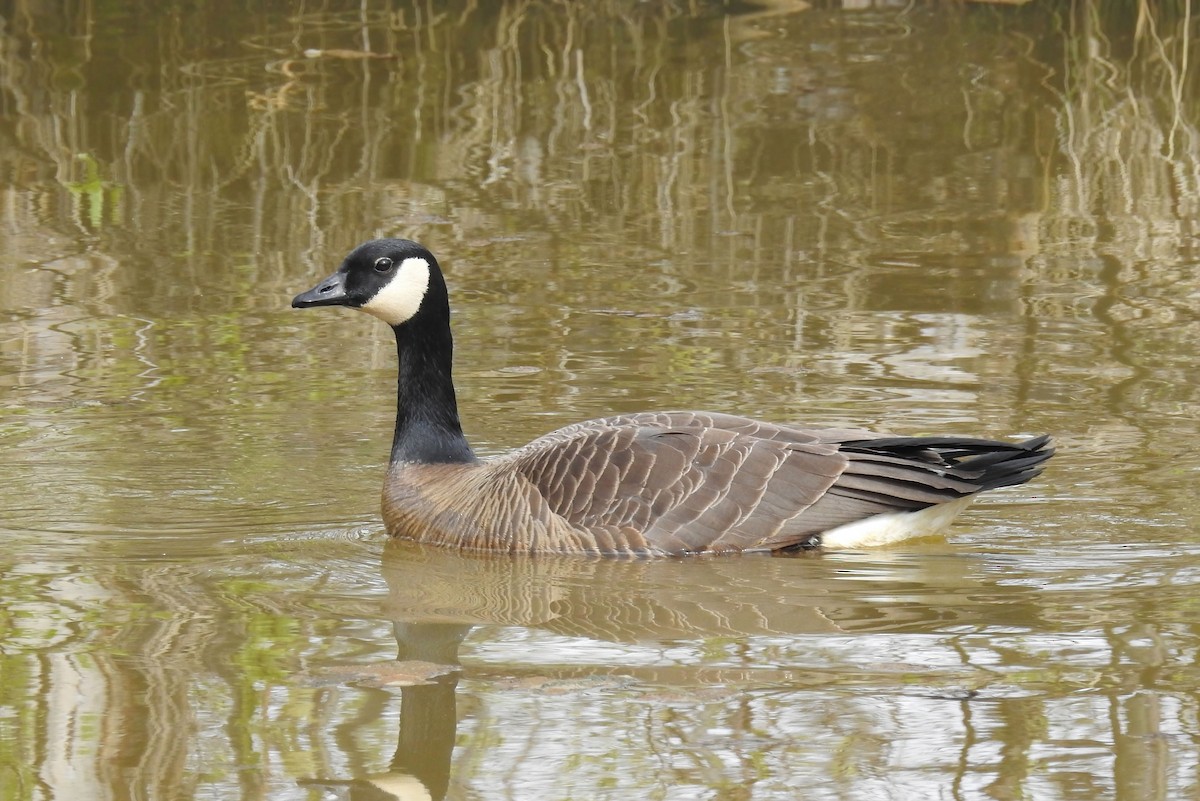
(976, 219)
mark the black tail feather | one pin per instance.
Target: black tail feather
(986, 464)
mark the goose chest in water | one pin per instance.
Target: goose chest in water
(654, 483)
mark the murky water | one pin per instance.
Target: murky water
(978, 219)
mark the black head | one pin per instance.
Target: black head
(388, 278)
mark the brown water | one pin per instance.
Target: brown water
(979, 219)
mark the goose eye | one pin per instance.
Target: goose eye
(383, 264)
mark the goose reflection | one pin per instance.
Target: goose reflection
(435, 597)
(641, 600)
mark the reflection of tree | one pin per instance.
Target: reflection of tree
(831, 729)
(771, 168)
(735, 675)
(1122, 190)
(672, 144)
(911, 217)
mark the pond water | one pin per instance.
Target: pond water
(976, 218)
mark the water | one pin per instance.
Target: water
(976, 219)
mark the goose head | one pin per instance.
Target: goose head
(395, 280)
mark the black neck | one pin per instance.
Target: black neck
(427, 426)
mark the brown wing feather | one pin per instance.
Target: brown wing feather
(686, 481)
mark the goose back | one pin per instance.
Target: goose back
(690, 482)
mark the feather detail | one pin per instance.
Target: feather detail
(689, 482)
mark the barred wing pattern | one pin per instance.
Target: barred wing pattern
(684, 482)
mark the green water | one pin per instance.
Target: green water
(977, 219)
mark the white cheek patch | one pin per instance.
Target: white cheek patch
(400, 298)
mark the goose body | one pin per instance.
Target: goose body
(663, 483)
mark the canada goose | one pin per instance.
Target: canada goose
(654, 483)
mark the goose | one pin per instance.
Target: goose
(656, 483)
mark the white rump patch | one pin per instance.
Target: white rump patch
(400, 298)
(893, 527)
